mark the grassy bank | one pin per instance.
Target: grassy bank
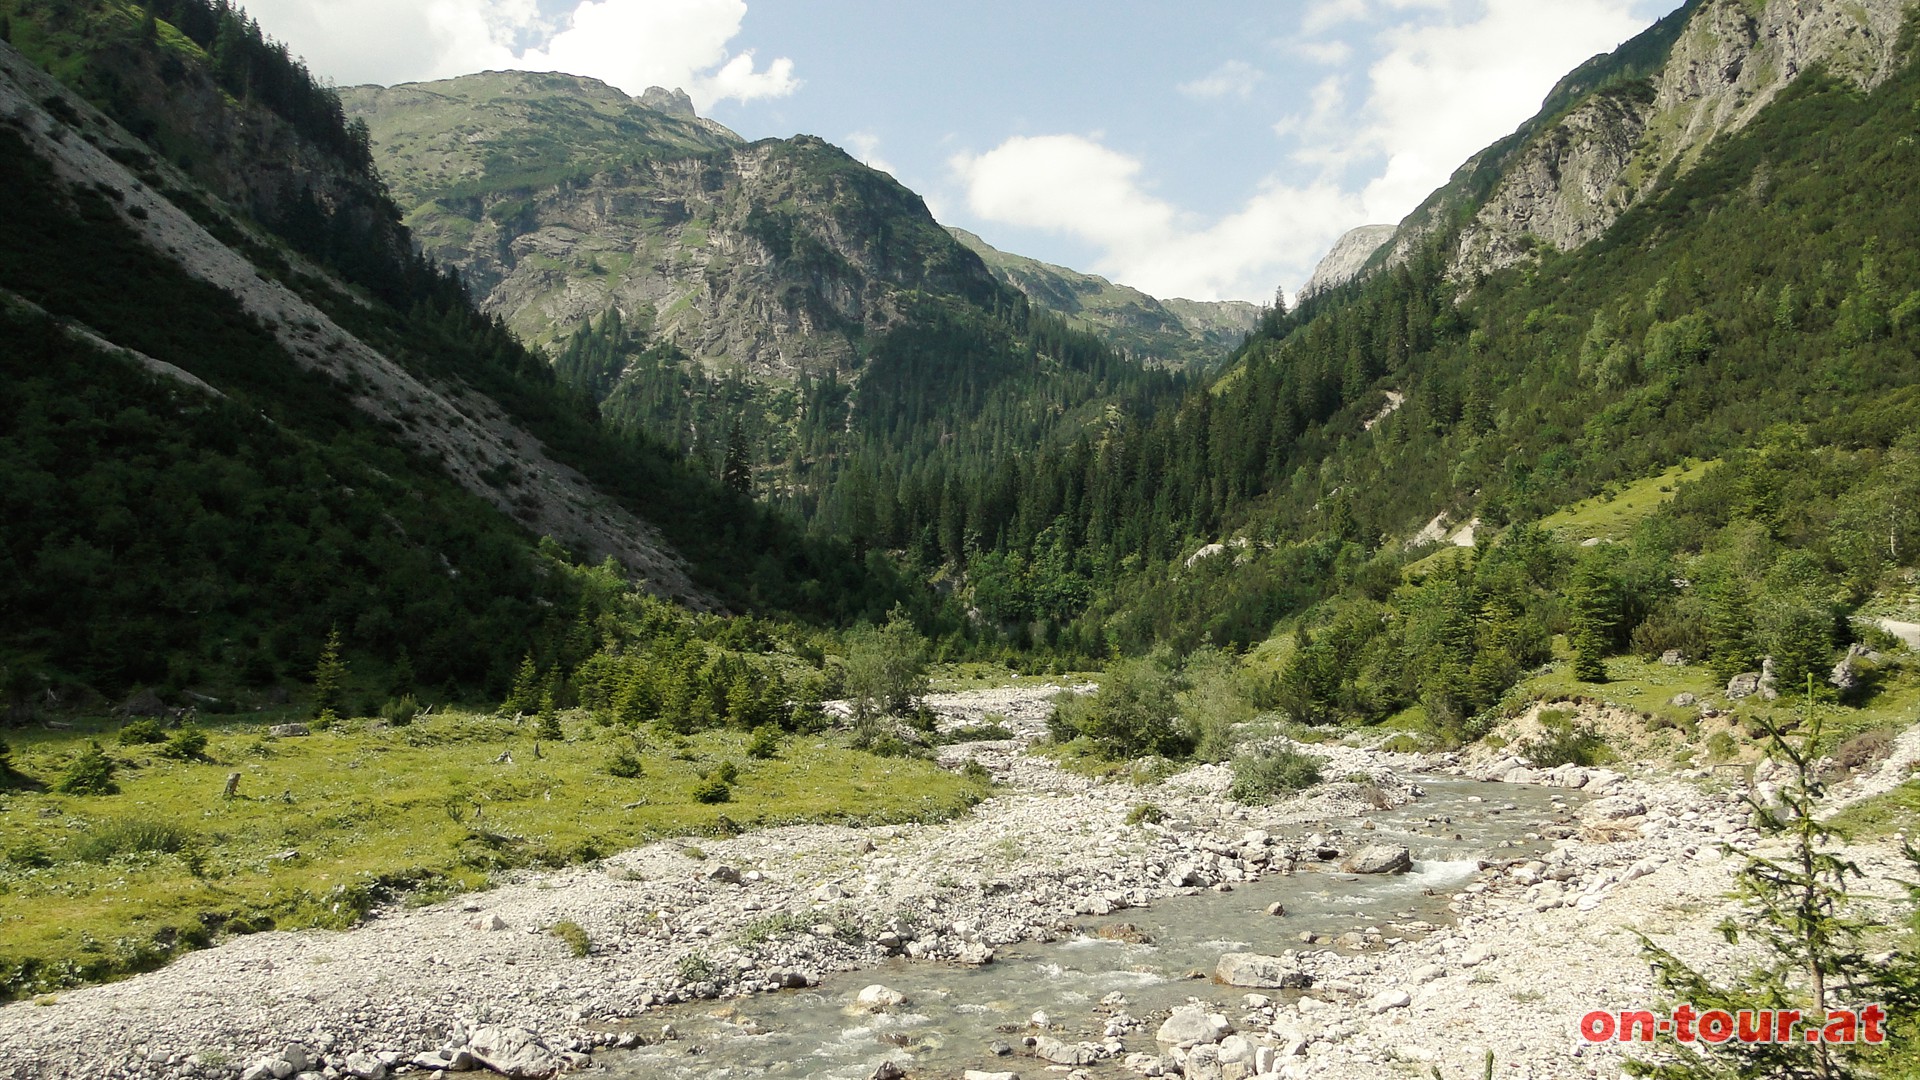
(326, 825)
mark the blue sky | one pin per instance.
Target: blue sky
(1212, 149)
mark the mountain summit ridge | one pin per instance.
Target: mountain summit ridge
(1614, 129)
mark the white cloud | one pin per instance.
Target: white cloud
(1324, 53)
(1235, 78)
(1443, 92)
(1326, 14)
(632, 44)
(1074, 185)
(1446, 78)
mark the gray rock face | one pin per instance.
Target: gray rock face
(1379, 859)
(1744, 685)
(673, 102)
(1349, 255)
(1254, 971)
(1568, 182)
(514, 1052)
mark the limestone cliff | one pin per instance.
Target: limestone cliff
(1348, 257)
(561, 198)
(1612, 130)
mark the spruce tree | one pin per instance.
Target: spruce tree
(329, 679)
(524, 697)
(548, 725)
(1730, 647)
(1593, 612)
(736, 472)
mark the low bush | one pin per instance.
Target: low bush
(713, 791)
(1146, 813)
(625, 764)
(110, 839)
(575, 937)
(143, 732)
(1271, 771)
(187, 744)
(987, 732)
(90, 774)
(1721, 747)
(30, 854)
(1562, 741)
(764, 743)
(400, 711)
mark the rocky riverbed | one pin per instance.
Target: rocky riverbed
(481, 980)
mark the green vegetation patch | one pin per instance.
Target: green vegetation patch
(97, 886)
(1613, 514)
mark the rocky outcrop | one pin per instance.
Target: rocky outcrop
(1173, 331)
(469, 435)
(1593, 154)
(1348, 257)
(560, 198)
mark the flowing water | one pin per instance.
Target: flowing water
(954, 1014)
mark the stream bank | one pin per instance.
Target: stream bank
(1535, 943)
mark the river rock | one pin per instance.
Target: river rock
(1048, 1048)
(1203, 1063)
(1379, 859)
(1190, 1025)
(1613, 808)
(1389, 999)
(513, 1052)
(289, 731)
(724, 874)
(1259, 972)
(976, 1074)
(876, 998)
(364, 1066)
(887, 1070)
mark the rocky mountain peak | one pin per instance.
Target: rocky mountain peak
(674, 103)
(1611, 131)
(1348, 257)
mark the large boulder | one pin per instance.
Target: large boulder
(1379, 859)
(877, 998)
(1257, 972)
(514, 1052)
(1191, 1025)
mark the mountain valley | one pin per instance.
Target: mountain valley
(506, 500)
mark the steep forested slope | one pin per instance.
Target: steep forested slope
(225, 439)
(1759, 307)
